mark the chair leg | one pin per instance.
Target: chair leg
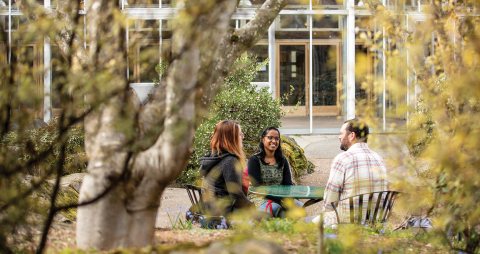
(320, 235)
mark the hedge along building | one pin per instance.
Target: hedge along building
(313, 47)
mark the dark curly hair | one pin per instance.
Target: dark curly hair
(278, 153)
(359, 128)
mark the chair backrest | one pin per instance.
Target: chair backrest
(381, 210)
(196, 197)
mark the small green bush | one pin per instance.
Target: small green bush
(240, 100)
(40, 139)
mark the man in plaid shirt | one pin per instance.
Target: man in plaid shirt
(358, 170)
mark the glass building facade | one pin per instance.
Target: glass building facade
(314, 48)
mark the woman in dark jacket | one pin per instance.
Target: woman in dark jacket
(268, 166)
(222, 169)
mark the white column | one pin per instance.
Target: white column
(271, 55)
(384, 80)
(432, 68)
(310, 78)
(85, 32)
(454, 35)
(47, 81)
(128, 46)
(47, 75)
(350, 82)
(9, 31)
(160, 23)
(408, 79)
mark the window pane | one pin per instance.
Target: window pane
(251, 3)
(292, 27)
(363, 69)
(324, 75)
(56, 72)
(146, 29)
(364, 23)
(327, 35)
(141, 3)
(293, 21)
(149, 59)
(326, 21)
(298, 5)
(261, 51)
(292, 73)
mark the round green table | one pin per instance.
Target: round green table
(276, 193)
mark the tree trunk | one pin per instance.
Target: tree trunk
(142, 165)
(134, 153)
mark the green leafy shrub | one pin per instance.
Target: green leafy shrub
(421, 123)
(421, 120)
(40, 139)
(254, 108)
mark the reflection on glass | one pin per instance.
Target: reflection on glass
(297, 5)
(364, 23)
(279, 35)
(149, 59)
(131, 64)
(233, 23)
(27, 58)
(325, 21)
(145, 29)
(251, 3)
(292, 27)
(261, 51)
(293, 21)
(292, 73)
(326, 35)
(324, 75)
(168, 3)
(56, 73)
(18, 24)
(362, 69)
(141, 3)
(327, 3)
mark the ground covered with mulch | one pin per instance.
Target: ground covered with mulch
(63, 238)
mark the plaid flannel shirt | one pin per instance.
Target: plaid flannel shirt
(356, 171)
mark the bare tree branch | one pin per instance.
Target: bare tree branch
(215, 61)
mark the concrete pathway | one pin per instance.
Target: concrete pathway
(176, 200)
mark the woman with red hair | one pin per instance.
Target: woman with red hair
(222, 168)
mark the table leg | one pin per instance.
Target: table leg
(311, 202)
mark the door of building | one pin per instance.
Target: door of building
(292, 77)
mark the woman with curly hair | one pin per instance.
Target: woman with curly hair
(268, 166)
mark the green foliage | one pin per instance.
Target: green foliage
(66, 196)
(419, 140)
(161, 69)
(284, 226)
(254, 108)
(443, 130)
(176, 222)
(43, 138)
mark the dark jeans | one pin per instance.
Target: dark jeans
(276, 209)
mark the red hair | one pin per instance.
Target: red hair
(226, 136)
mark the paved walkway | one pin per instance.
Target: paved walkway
(319, 149)
(329, 124)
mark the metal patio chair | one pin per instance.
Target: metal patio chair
(381, 210)
(196, 197)
(198, 209)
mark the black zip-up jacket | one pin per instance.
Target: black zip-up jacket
(223, 176)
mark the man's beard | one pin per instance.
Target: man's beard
(344, 145)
